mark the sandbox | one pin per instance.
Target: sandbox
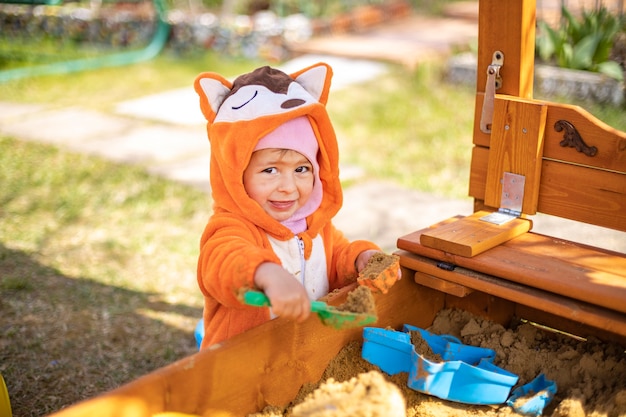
(589, 373)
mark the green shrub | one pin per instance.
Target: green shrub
(583, 44)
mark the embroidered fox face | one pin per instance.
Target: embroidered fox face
(263, 92)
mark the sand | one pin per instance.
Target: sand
(590, 375)
(359, 300)
(365, 395)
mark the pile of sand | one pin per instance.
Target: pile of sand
(359, 300)
(366, 395)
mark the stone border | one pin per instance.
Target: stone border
(263, 34)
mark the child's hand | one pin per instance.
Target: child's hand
(382, 274)
(363, 259)
(287, 296)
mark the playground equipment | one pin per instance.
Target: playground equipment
(529, 156)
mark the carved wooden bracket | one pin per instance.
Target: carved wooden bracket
(572, 138)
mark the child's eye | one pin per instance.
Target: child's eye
(270, 170)
(303, 168)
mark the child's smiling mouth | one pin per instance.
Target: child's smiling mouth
(282, 205)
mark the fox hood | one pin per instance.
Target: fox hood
(240, 113)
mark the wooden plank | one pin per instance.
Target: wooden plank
(570, 191)
(484, 305)
(566, 324)
(438, 284)
(266, 365)
(516, 147)
(479, 138)
(583, 194)
(558, 266)
(609, 142)
(507, 26)
(478, 172)
(470, 235)
(610, 324)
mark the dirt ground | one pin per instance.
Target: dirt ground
(590, 375)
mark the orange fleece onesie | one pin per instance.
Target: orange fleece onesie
(237, 238)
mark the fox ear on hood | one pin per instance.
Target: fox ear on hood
(315, 80)
(212, 89)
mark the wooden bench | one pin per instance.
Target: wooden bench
(533, 156)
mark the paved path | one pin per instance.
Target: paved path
(166, 133)
(409, 40)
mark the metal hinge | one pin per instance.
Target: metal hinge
(511, 200)
(494, 82)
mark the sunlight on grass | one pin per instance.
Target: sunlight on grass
(170, 319)
(16, 52)
(97, 272)
(90, 218)
(101, 89)
(408, 127)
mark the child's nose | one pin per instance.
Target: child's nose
(287, 183)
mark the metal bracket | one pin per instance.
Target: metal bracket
(494, 82)
(511, 200)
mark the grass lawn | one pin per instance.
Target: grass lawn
(97, 260)
(410, 128)
(97, 274)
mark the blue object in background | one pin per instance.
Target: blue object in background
(537, 394)
(390, 350)
(451, 349)
(455, 380)
(199, 333)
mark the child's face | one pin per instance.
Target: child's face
(280, 180)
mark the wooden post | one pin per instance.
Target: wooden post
(506, 40)
(507, 26)
(516, 147)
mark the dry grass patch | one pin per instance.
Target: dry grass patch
(97, 275)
